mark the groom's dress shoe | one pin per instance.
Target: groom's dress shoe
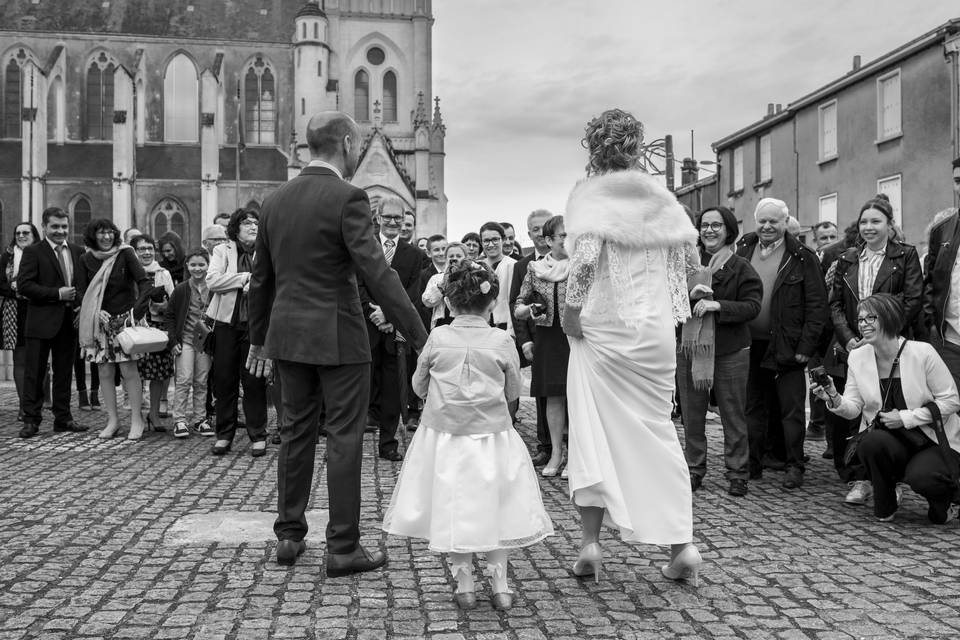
(289, 550)
(343, 564)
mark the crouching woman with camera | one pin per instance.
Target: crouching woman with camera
(890, 381)
(542, 298)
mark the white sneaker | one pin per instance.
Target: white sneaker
(860, 492)
(181, 430)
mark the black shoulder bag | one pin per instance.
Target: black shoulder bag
(949, 458)
(853, 442)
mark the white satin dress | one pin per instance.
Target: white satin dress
(624, 452)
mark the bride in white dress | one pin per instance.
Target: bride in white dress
(630, 244)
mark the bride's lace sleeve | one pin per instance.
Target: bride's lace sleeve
(583, 269)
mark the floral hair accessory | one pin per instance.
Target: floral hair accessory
(484, 288)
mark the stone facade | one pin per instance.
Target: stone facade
(134, 108)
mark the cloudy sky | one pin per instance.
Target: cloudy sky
(518, 79)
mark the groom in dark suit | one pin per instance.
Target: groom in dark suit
(315, 238)
(49, 278)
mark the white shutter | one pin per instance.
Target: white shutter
(828, 130)
(765, 169)
(738, 168)
(890, 187)
(828, 208)
(889, 106)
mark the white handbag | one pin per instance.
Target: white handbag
(141, 339)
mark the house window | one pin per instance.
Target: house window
(828, 131)
(169, 215)
(763, 159)
(361, 96)
(828, 208)
(890, 187)
(737, 176)
(13, 89)
(389, 97)
(888, 106)
(99, 104)
(181, 101)
(80, 213)
(259, 103)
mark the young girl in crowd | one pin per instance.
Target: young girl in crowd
(184, 324)
(467, 484)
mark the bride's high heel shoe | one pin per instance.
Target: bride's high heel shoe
(686, 566)
(590, 561)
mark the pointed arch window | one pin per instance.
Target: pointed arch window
(80, 213)
(260, 103)
(169, 215)
(99, 104)
(181, 101)
(389, 97)
(12, 88)
(361, 96)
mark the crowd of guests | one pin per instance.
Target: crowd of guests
(64, 306)
(767, 310)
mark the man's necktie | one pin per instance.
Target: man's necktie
(63, 265)
(389, 248)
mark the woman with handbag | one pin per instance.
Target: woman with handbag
(155, 367)
(228, 281)
(115, 276)
(889, 382)
(14, 306)
(878, 264)
(542, 296)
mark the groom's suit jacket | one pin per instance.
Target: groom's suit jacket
(39, 281)
(316, 235)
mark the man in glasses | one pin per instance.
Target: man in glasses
(785, 335)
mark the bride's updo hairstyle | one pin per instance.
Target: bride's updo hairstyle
(470, 286)
(613, 140)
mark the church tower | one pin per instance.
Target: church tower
(311, 63)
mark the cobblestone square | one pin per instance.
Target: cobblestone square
(92, 546)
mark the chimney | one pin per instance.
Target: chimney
(769, 108)
(779, 107)
(688, 171)
(856, 63)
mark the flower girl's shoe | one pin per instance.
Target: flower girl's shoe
(465, 596)
(686, 566)
(502, 598)
(590, 561)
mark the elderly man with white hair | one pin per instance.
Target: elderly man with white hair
(785, 336)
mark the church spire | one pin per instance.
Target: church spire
(420, 117)
(437, 118)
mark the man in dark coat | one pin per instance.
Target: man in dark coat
(50, 279)
(316, 236)
(785, 334)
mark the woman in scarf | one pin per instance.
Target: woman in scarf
(715, 349)
(542, 297)
(156, 367)
(14, 308)
(631, 246)
(115, 276)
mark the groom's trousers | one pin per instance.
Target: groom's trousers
(344, 390)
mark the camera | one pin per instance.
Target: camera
(537, 308)
(820, 376)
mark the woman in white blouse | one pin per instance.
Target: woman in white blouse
(890, 392)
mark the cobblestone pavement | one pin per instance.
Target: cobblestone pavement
(86, 552)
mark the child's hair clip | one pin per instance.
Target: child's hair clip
(484, 287)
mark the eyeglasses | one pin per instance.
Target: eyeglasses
(23, 233)
(391, 218)
(249, 222)
(869, 320)
(711, 226)
(145, 249)
(105, 232)
(492, 240)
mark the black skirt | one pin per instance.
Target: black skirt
(551, 352)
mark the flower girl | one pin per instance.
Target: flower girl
(467, 484)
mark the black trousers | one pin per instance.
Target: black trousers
(345, 391)
(80, 375)
(230, 360)
(771, 394)
(543, 429)
(889, 460)
(62, 348)
(385, 399)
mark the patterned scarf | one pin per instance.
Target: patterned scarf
(698, 335)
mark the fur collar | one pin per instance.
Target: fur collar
(630, 208)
